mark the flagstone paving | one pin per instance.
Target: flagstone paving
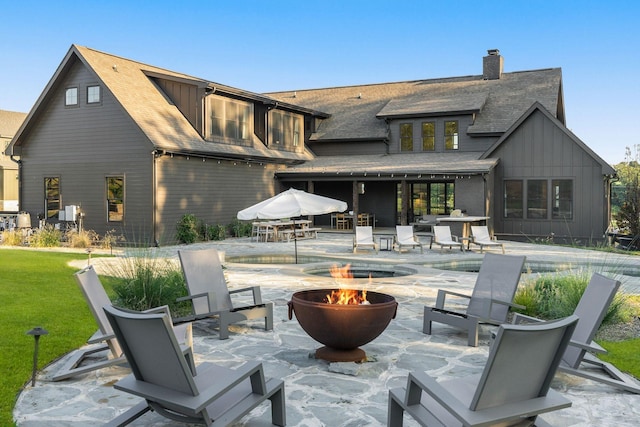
(319, 393)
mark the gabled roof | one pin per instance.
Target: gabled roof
(450, 163)
(10, 122)
(159, 119)
(607, 169)
(356, 111)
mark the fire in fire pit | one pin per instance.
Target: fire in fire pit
(342, 327)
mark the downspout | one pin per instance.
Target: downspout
(19, 163)
(154, 182)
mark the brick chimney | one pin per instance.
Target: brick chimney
(492, 65)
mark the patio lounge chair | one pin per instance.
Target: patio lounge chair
(489, 302)
(215, 395)
(405, 238)
(211, 297)
(577, 359)
(481, 237)
(513, 389)
(364, 239)
(85, 360)
(442, 236)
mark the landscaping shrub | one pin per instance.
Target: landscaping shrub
(187, 229)
(12, 238)
(215, 232)
(553, 296)
(110, 239)
(239, 228)
(82, 239)
(46, 237)
(142, 282)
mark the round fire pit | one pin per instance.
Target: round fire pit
(342, 328)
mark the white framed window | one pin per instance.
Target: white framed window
(93, 94)
(71, 96)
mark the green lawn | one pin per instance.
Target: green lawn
(37, 289)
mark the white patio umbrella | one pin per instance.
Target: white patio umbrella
(291, 204)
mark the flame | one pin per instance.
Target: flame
(338, 272)
(345, 296)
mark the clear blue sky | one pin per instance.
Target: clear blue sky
(271, 45)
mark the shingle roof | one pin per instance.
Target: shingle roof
(158, 118)
(10, 122)
(414, 163)
(162, 122)
(356, 111)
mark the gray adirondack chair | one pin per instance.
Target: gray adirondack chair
(211, 297)
(578, 358)
(489, 302)
(85, 360)
(215, 395)
(513, 389)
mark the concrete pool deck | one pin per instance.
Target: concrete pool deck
(319, 393)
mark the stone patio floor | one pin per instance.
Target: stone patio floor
(319, 393)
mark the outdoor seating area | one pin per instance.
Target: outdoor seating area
(318, 392)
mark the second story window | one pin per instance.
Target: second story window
(229, 119)
(428, 136)
(71, 97)
(451, 135)
(285, 129)
(93, 94)
(406, 136)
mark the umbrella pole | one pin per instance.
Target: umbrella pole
(295, 240)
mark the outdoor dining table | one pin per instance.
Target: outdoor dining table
(466, 222)
(275, 229)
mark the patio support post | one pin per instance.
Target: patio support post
(404, 190)
(356, 203)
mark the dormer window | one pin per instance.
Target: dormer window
(229, 119)
(71, 97)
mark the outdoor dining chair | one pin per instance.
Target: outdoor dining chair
(489, 302)
(211, 297)
(512, 390)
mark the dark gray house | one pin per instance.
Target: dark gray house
(136, 147)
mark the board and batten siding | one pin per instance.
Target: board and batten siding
(539, 149)
(212, 190)
(82, 146)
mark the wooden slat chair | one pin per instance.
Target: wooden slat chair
(512, 390)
